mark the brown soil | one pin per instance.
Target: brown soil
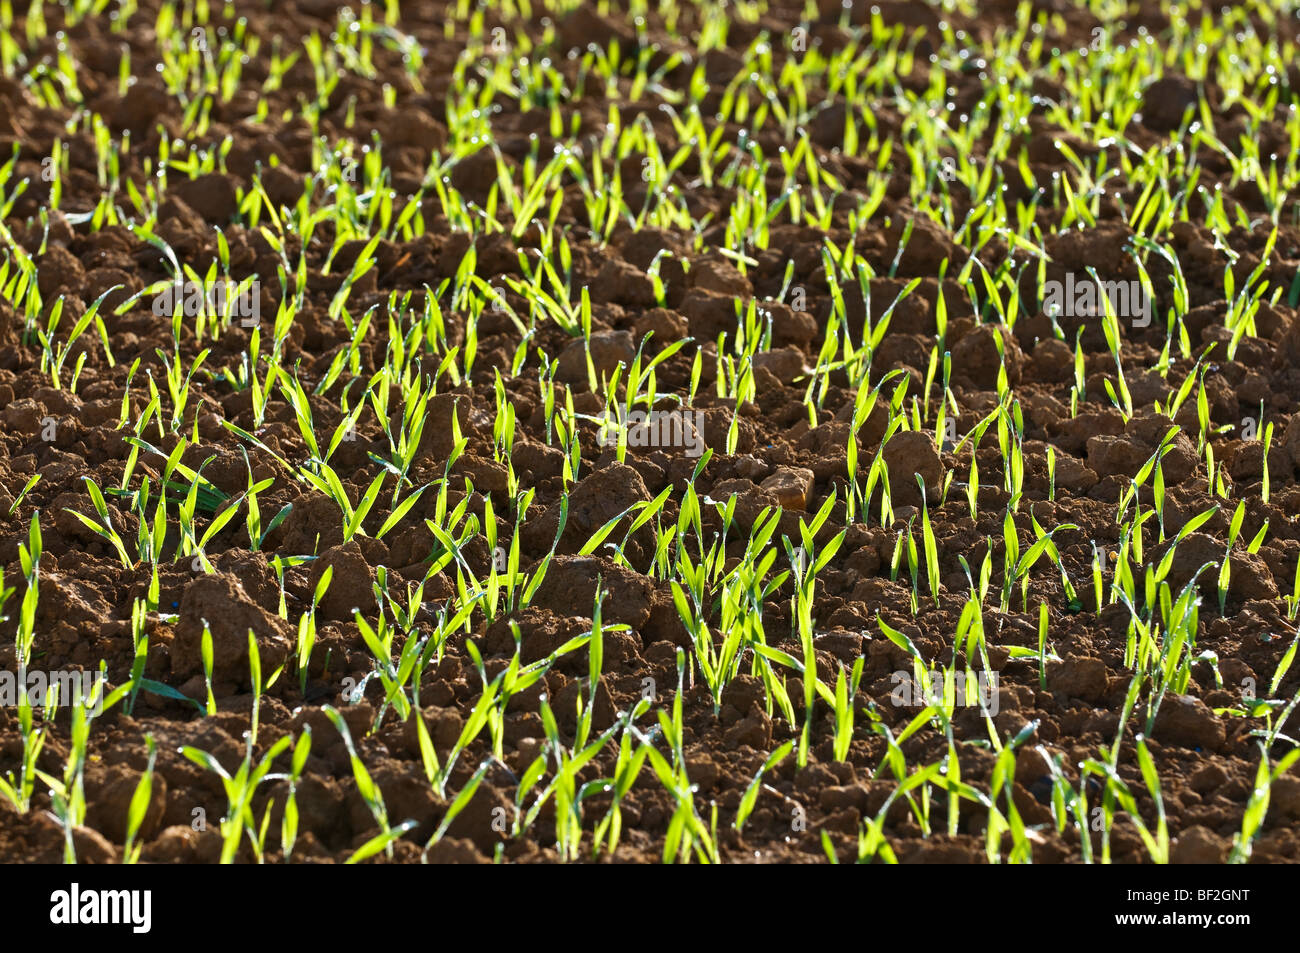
(1206, 762)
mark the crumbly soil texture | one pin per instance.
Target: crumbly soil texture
(310, 317)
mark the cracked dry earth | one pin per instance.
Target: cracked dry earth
(247, 170)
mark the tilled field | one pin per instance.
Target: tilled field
(755, 432)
